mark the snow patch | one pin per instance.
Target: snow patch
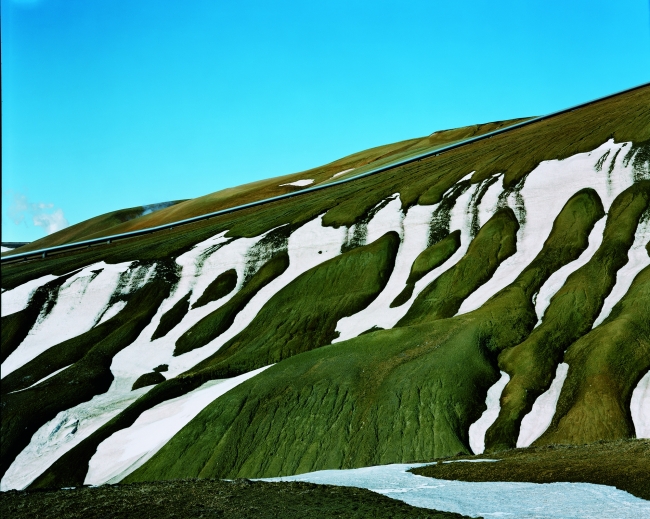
(80, 302)
(492, 401)
(17, 299)
(640, 407)
(41, 380)
(300, 183)
(342, 172)
(112, 311)
(486, 499)
(130, 448)
(535, 423)
(545, 192)
(65, 431)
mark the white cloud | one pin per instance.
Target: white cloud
(43, 213)
(51, 222)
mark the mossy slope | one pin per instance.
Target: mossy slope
(388, 396)
(570, 314)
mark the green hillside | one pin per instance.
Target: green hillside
(349, 327)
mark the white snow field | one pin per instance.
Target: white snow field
(535, 423)
(516, 500)
(638, 259)
(81, 301)
(130, 448)
(16, 299)
(546, 190)
(300, 183)
(640, 407)
(66, 430)
(559, 277)
(493, 406)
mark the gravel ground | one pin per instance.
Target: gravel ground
(208, 498)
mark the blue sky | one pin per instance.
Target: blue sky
(110, 104)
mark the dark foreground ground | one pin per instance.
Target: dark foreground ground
(622, 464)
(208, 498)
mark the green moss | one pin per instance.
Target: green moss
(172, 317)
(220, 287)
(495, 242)
(214, 324)
(294, 321)
(571, 312)
(148, 379)
(429, 259)
(605, 365)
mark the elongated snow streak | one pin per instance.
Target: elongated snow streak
(41, 380)
(415, 236)
(640, 407)
(65, 431)
(112, 311)
(130, 448)
(559, 277)
(300, 183)
(492, 401)
(16, 299)
(333, 176)
(535, 423)
(486, 499)
(637, 260)
(80, 302)
(546, 190)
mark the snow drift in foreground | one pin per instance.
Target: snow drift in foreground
(520, 500)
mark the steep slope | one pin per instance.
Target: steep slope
(353, 326)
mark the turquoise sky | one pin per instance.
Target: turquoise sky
(109, 104)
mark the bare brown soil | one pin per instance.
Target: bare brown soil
(209, 498)
(624, 464)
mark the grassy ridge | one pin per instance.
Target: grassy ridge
(605, 366)
(359, 162)
(495, 242)
(376, 260)
(216, 323)
(621, 464)
(429, 259)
